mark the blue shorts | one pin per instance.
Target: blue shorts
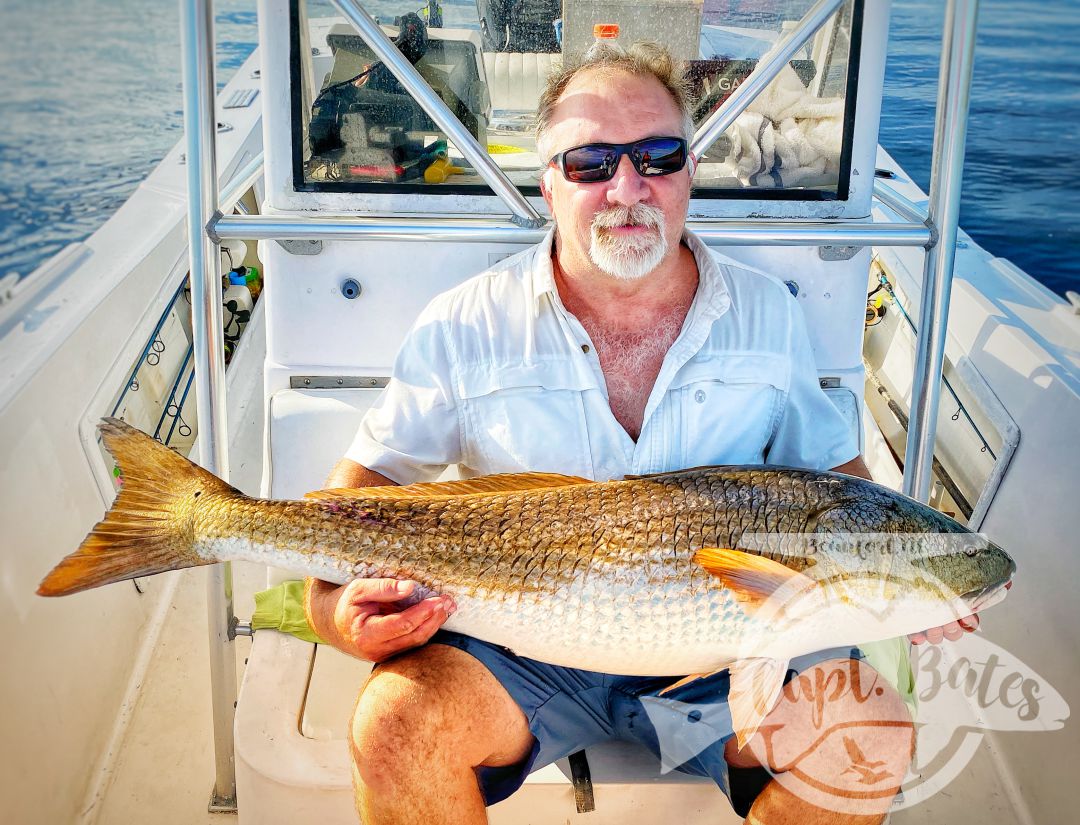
(569, 709)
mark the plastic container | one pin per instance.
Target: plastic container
(232, 255)
(254, 282)
(236, 310)
(440, 169)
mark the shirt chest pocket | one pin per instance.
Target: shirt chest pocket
(525, 418)
(729, 407)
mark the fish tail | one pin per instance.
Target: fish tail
(149, 528)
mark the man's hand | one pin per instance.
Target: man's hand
(364, 618)
(952, 631)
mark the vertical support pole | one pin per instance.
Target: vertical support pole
(200, 124)
(950, 133)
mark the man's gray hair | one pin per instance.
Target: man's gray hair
(644, 58)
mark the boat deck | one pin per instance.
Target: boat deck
(164, 772)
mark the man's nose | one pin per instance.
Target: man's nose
(627, 187)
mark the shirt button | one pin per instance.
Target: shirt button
(699, 396)
(585, 348)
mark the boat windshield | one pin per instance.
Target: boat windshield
(359, 130)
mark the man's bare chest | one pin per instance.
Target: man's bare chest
(631, 362)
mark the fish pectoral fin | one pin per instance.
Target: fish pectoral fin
(755, 686)
(500, 483)
(753, 578)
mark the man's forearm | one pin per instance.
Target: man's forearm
(347, 474)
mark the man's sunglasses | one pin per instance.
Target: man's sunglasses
(595, 162)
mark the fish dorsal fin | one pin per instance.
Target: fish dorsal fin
(752, 577)
(501, 483)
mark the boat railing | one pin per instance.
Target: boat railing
(715, 232)
(208, 227)
(942, 216)
(904, 208)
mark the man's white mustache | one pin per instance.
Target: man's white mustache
(640, 214)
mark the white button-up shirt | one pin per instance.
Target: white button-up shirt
(497, 376)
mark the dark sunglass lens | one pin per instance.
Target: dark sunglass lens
(588, 164)
(659, 156)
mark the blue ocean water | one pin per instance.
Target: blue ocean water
(91, 102)
(1021, 195)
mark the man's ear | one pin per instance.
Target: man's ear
(691, 161)
(545, 185)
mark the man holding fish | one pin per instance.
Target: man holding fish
(619, 346)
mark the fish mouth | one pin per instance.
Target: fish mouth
(984, 597)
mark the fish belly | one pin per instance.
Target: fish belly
(644, 636)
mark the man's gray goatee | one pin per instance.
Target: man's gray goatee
(628, 258)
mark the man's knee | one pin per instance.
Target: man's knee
(395, 714)
(414, 715)
(872, 721)
(859, 697)
(840, 738)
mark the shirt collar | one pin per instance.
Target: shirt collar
(543, 276)
(713, 298)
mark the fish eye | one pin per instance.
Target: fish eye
(971, 550)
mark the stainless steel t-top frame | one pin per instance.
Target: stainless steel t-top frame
(935, 230)
(197, 44)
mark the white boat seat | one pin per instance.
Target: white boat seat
(309, 431)
(292, 761)
(515, 79)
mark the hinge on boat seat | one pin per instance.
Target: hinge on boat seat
(582, 779)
